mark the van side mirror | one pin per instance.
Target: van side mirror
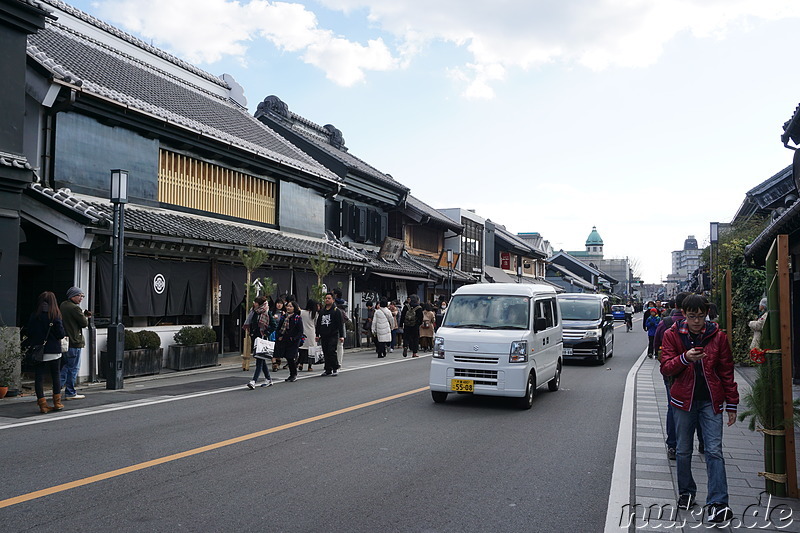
(539, 324)
(610, 318)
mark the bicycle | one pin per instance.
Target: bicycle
(628, 323)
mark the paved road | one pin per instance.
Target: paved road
(365, 451)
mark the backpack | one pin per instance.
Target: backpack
(410, 320)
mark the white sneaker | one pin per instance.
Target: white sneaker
(267, 383)
(76, 397)
(391, 350)
(251, 385)
(334, 373)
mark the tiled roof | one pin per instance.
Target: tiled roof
(156, 221)
(14, 161)
(114, 75)
(85, 17)
(66, 199)
(320, 137)
(418, 205)
(431, 264)
(403, 266)
(788, 222)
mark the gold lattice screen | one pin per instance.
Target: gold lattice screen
(204, 186)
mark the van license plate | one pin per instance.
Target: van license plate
(567, 351)
(462, 385)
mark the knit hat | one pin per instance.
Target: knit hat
(73, 292)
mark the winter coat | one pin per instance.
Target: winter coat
(428, 317)
(652, 325)
(757, 326)
(37, 330)
(382, 324)
(74, 321)
(309, 329)
(717, 367)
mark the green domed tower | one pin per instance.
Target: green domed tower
(594, 243)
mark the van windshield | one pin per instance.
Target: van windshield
(580, 309)
(483, 311)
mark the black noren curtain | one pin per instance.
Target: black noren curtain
(156, 288)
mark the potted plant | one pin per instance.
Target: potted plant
(142, 355)
(196, 347)
(11, 354)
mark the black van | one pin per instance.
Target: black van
(588, 326)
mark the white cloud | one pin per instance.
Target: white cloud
(203, 31)
(596, 34)
(500, 35)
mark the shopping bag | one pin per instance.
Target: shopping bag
(263, 349)
(315, 355)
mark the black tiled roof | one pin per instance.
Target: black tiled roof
(404, 265)
(156, 221)
(14, 161)
(114, 75)
(320, 137)
(431, 264)
(77, 13)
(418, 205)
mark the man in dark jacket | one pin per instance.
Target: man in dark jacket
(75, 319)
(330, 332)
(697, 356)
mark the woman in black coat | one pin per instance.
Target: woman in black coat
(288, 337)
(45, 327)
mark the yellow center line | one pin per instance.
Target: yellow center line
(188, 453)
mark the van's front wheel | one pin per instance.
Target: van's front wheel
(526, 402)
(439, 396)
(555, 383)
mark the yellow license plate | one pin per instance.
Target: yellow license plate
(462, 385)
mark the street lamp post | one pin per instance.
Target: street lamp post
(711, 259)
(449, 275)
(116, 330)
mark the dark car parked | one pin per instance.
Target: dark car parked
(588, 326)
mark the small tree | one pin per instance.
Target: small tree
(251, 259)
(321, 267)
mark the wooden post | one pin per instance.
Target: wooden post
(729, 305)
(784, 293)
(247, 342)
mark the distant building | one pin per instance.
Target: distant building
(619, 269)
(685, 263)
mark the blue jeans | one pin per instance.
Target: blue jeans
(69, 370)
(702, 415)
(672, 440)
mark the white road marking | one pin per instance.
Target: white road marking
(55, 417)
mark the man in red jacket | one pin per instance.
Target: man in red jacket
(696, 356)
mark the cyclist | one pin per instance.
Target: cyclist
(629, 316)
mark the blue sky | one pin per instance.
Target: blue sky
(646, 118)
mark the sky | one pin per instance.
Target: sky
(648, 119)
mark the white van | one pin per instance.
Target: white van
(498, 339)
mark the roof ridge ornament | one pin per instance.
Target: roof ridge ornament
(335, 136)
(273, 104)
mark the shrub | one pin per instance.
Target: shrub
(191, 335)
(131, 340)
(207, 334)
(149, 340)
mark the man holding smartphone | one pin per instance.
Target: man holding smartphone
(695, 355)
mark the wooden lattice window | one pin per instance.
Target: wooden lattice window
(187, 182)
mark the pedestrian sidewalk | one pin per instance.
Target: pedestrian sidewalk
(655, 486)
(166, 386)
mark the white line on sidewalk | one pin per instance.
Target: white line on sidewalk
(38, 419)
(620, 493)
